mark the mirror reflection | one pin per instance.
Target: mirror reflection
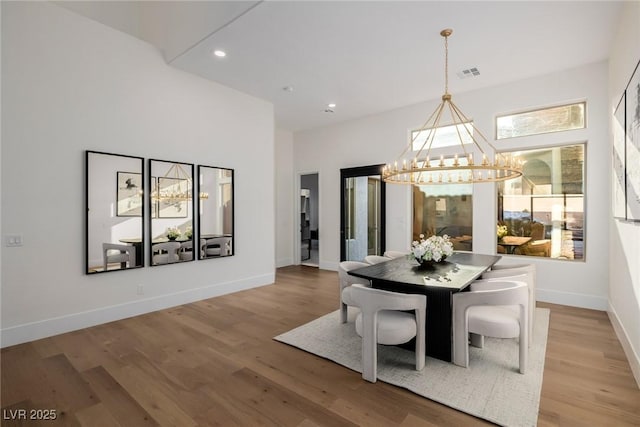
(114, 185)
(215, 212)
(171, 206)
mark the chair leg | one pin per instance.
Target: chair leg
(369, 348)
(523, 342)
(477, 340)
(420, 343)
(343, 312)
(460, 338)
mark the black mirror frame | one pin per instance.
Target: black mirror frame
(139, 246)
(233, 222)
(150, 218)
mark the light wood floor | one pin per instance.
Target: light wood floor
(214, 363)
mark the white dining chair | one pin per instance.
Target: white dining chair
(395, 254)
(345, 281)
(185, 253)
(165, 253)
(488, 310)
(116, 253)
(506, 272)
(384, 319)
(375, 259)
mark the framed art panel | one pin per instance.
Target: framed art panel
(632, 146)
(129, 194)
(619, 204)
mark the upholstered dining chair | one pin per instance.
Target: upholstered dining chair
(506, 272)
(165, 253)
(217, 246)
(185, 252)
(383, 319)
(346, 280)
(395, 254)
(123, 254)
(375, 259)
(488, 310)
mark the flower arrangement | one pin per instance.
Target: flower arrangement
(502, 231)
(188, 233)
(173, 233)
(435, 248)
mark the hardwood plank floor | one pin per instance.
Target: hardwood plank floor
(214, 363)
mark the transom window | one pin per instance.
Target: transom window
(544, 120)
(445, 136)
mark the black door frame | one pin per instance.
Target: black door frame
(352, 173)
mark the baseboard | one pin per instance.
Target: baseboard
(572, 299)
(284, 262)
(45, 328)
(623, 337)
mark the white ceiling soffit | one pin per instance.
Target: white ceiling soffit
(372, 56)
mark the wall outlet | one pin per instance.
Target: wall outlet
(13, 240)
(140, 290)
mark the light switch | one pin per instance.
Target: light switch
(13, 240)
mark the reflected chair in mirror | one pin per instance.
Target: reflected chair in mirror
(385, 318)
(185, 252)
(492, 308)
(165, 253)
(124, 255)
(375, 259)
(345, 281)
(506, 272)
(216, 247)
(395, 254)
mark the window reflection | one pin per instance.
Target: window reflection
(546, 205)
(444, 209)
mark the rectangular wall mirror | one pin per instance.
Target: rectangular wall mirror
(215, 208)
(171, 205)
(114, 203)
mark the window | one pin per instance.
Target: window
(444, 209)
(545, 120)
(544, 208)
(445, 136)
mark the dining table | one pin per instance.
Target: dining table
(438, 281)
(510, 243)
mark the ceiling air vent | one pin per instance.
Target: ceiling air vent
(469, 72)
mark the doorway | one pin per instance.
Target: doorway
(309, 214)
(362, 213)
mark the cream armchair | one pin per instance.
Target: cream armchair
(495, 308)
(383, 320)
(346, 280)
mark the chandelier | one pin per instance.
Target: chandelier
(179, 189)
(416, 167)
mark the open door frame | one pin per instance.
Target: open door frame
(355, 172)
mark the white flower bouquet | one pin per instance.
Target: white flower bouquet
(435, 248)
(173, 233)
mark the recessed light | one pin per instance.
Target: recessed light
(331, 105)
(220, 53)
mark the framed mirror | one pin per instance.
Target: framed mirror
(215, 210)
(171, 206)
(114, 207)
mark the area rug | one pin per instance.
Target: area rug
(491, 388)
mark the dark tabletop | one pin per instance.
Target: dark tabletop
(455, 273)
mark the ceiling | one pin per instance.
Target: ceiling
(366, 57)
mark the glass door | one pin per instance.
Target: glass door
(362, 225)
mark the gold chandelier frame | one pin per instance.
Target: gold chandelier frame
(460, 168)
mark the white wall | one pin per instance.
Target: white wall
(284, 198)
(380, 138)
(71, 84)
(624, 277)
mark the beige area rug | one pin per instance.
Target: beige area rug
(491, 388)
